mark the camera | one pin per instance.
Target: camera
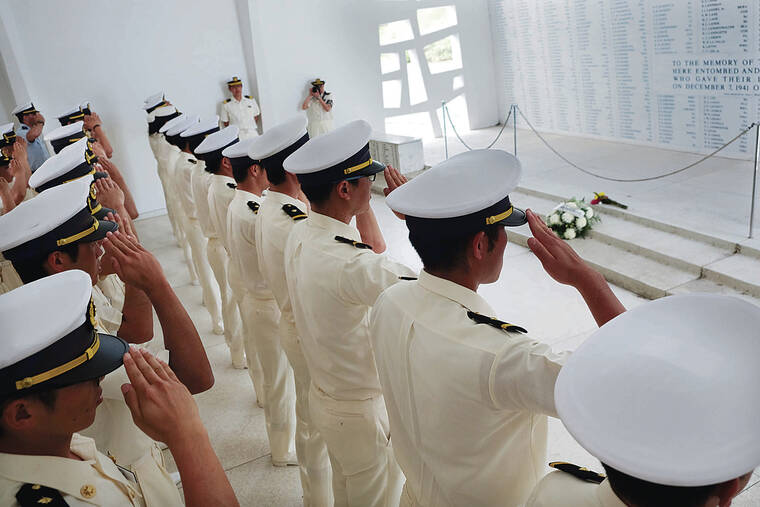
(314, 89)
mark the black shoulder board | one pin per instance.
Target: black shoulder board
(254, 206)
(227, 100)
(581, 473)
(248, 97)
(35, 494)
(231, 185)
(192, 161)
(407, 277)
(500, 324)
(293, 212)
(352, 242)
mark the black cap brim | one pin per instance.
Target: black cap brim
(374, 168)
(515, 219)
(109, 357)
(104, 227)
(101, 214)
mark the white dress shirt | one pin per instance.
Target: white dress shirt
(241, 113)
(467, 402)
(201, 182)
(332, 286)
(94, 480)
(272, 231)
(183, 173)
(220, 195)
(241, 228)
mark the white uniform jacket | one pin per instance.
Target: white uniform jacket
(241, 227)
(467, 402)
(332, 286)
(183, 173)
(242, 114)
(220, 195)
(201, 182)
(272, 230)
(95, 480)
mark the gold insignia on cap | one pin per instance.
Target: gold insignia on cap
(45, 499)
(87, 491)
(36, 486)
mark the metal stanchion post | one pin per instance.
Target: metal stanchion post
(445, 139)
(514, 126)
(754, 179)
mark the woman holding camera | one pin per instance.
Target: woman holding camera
(318, 106)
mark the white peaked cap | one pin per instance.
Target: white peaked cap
(668, 392)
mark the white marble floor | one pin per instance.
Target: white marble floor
(524, 295)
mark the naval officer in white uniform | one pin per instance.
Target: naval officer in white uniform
(661, 396)
(468, 395)
(240, 110)
(333, 281)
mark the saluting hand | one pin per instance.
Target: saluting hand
(160, 404)
(19, 150)
(557, 257)
(109, 193)
(394, 179)
(132, 262)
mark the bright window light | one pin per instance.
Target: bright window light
(417, 92)
(444, 55)
(413, 125)
(392, 93)
(389, 62)
(436, 18)
(396, 31)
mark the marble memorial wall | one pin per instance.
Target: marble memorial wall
(683, 74)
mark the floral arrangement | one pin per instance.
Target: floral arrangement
(572, 219)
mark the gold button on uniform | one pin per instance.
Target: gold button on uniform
(87, 491)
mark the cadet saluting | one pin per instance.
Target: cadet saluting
(468, 394)
(333, 281)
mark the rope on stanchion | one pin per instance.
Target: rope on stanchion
(632, 180)
(454, 128)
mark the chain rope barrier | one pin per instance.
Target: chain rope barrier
(454, 128)
(633, 180)
(586, 171)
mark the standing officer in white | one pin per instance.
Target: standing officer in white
(333, 281)
(180, 183)
(220, 190)
(318, 106)
(661, 396)
(240, 110)
(468, 395)
(183, 172)
(258, 307)
(170, 155)
(281, 209)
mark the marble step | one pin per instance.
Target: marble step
(651, 239)
(709, 286)
(642, 275)
(740, 271)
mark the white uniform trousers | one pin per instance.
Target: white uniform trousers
(313, 460)
(357, 434)
(251, 354)
(260, 317)
(209, 287)
(218, 258)
(184, 242)
(171, 209)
